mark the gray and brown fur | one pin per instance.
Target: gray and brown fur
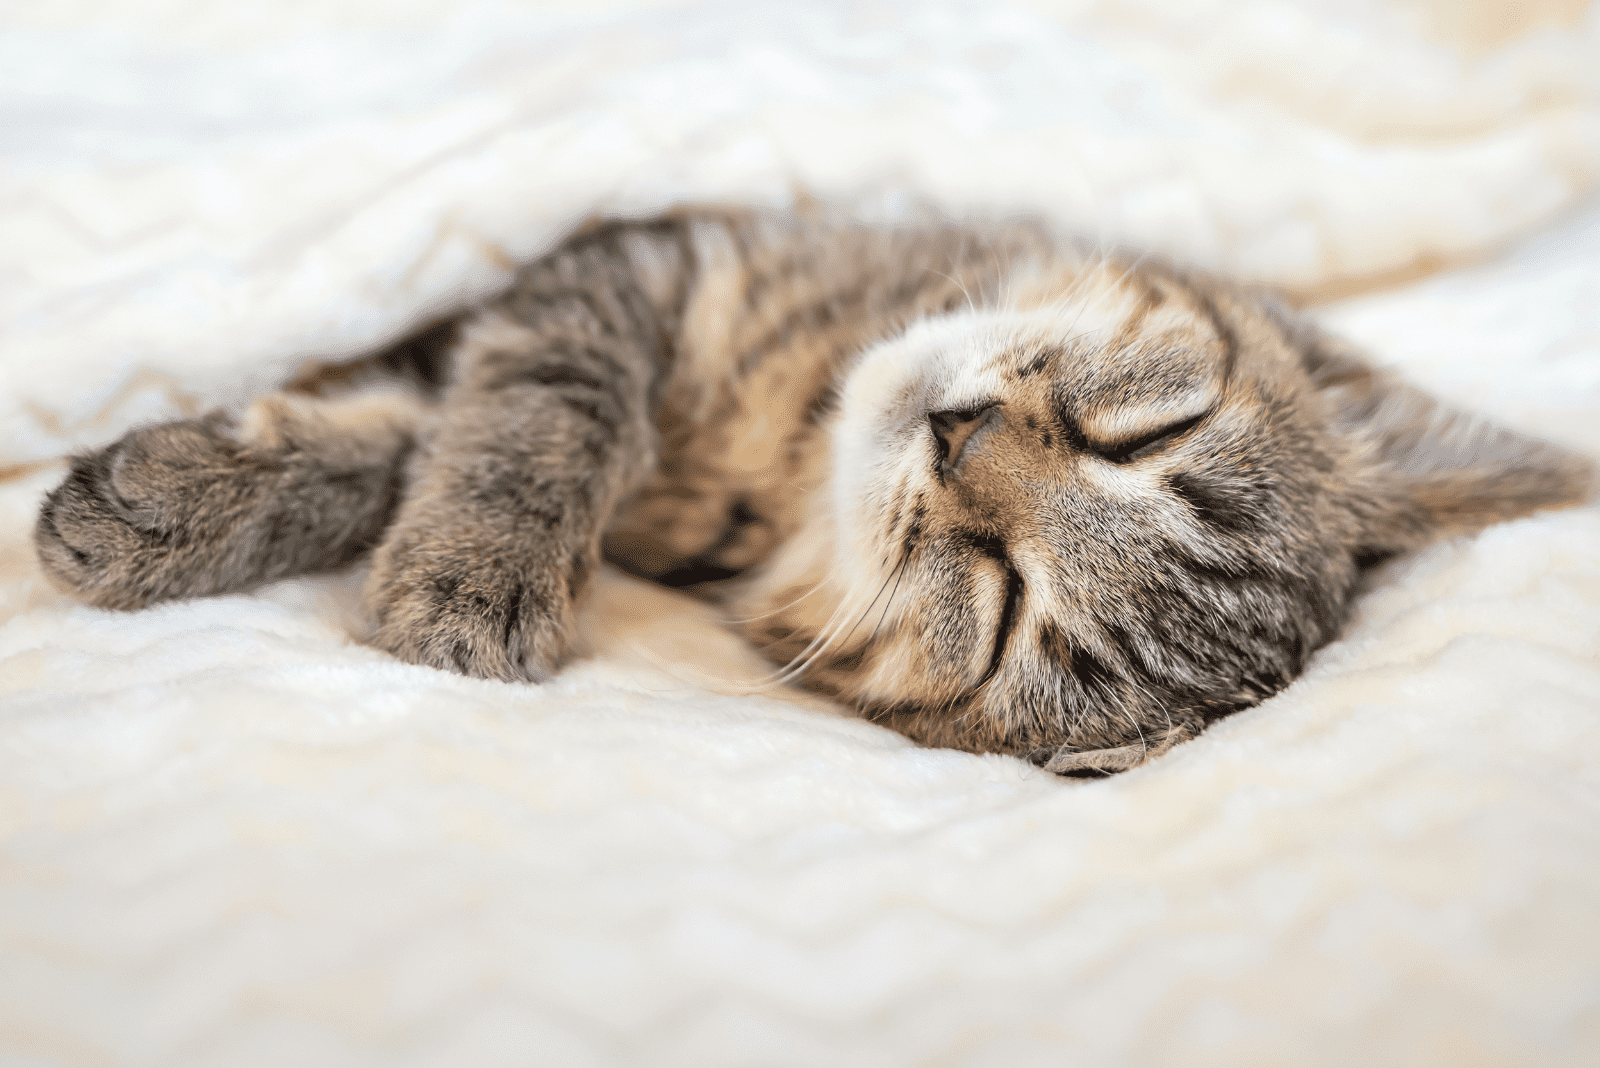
(989, 488)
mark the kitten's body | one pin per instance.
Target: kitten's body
(991, 490)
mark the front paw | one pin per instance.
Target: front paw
(462, 608)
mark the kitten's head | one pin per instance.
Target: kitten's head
(1078, 531)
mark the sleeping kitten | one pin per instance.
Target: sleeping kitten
(988, 488)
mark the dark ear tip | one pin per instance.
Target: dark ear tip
(1586, 479)
(1572, 477)
(1543, 477)
(1432, 471)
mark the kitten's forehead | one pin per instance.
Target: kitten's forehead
(1119, 330)
(1129, 320)
(1122, 346)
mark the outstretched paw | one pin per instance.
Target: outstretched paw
(191, 508)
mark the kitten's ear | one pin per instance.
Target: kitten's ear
(1425, 471)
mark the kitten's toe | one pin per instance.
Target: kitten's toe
(460, 615)
(153, 476)
(149, 517)
(92, 542)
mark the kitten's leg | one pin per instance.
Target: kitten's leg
(546, 427)
(221, 503)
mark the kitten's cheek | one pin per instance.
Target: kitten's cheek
(879, 385)
(865, 486)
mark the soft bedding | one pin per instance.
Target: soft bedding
(231, 834)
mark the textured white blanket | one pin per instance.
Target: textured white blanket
(232, 835)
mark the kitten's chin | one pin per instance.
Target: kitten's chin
(792, 597)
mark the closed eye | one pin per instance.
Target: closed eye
(1137, 448)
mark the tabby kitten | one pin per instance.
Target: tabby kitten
(984, 486)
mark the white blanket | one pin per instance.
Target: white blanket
(233, 835)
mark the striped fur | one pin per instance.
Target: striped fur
(993, 490)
